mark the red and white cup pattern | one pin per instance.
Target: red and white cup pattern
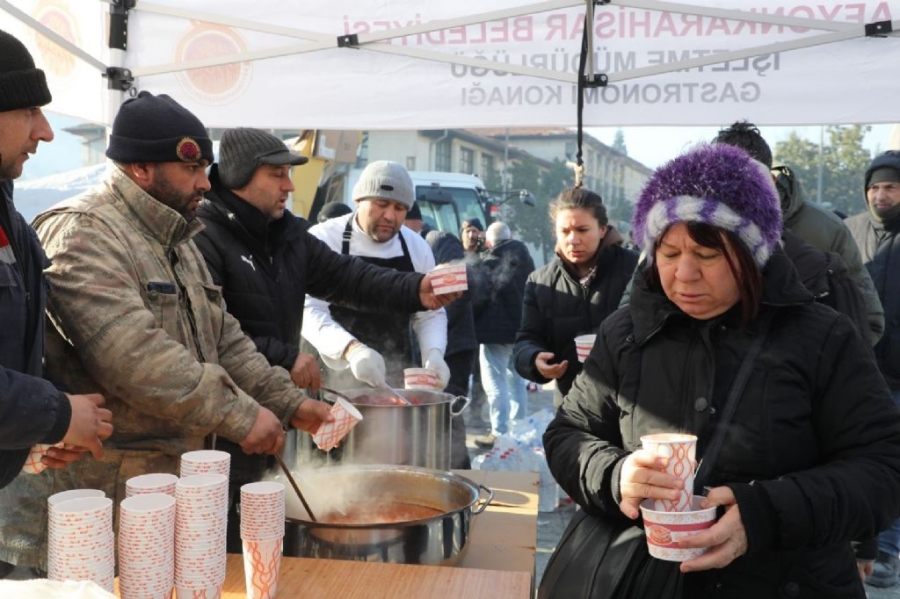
(448, 278)
(205, 461)
(583, 346)
(421, 378)
(81, 543)
(201, 515)
(151, 483)
(33, 463)
(681, 451)
(147, 546)
(262, 534)
(330, 434)
(664, 529)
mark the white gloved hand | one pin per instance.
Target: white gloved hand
(435, 361)
(367, 365)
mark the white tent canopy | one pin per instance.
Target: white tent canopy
(428, 64)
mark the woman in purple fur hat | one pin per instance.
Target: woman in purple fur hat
(810, 459)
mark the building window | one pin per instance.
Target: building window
(466, 161)
(410, 163)
(487, 166)
(442, 156)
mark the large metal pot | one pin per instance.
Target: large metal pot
(415, 435)
(437, 540)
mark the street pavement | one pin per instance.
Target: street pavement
(552, 524)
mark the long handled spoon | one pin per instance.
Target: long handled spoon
(290, 478)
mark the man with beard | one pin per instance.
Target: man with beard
(376, 346)
(875, 232)
(136, 315)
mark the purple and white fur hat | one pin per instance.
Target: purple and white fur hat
(716, 184)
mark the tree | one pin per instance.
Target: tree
(844, 161)
(619, 143)
(531, 224)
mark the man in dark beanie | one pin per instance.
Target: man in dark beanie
(876, 233)
(266, 262)
(32, 410)
(135, 313)
(471, 233)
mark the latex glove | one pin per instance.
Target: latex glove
(367, 365)
(435, 361)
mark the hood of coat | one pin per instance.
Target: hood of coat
(790, 192)
(651, 310)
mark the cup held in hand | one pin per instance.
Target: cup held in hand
(583, 346)
(421, 378)
(664, 529)
(448, 278)
(330, 434)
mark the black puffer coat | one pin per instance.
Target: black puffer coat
(266, 268)
(813, 454)
(501, 275)
(557, 309)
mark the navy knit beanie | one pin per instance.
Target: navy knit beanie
(22, 85)
(152, 128)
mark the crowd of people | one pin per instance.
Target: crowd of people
(180, 304)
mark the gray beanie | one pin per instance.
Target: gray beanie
(385, 180)
(243, 150)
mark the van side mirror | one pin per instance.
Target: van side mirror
(527, 197)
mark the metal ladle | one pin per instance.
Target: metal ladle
(398, 394)
(290, 478)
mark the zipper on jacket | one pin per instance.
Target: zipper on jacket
(183, 293)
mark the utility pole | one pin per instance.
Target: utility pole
(821, 164)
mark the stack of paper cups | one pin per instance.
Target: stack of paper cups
(81, 544)
(147, 546)
(151, 483)
(262, 533)
(205, 461)
(201, 515)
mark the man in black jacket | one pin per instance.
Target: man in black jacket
(266, 262)
(875, 232)
(501, 273)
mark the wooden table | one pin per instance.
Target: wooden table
(499, 563)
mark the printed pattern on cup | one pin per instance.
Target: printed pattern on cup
(421, 378)
(681, 451)
(664, 529)
(583, 346)
(448, 279)
(330, 434)
(33, 463)
(262, 562)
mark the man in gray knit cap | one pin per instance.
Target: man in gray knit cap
(266, 262)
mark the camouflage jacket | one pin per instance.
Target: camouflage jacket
(137, 317)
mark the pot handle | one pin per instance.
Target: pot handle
(490, 496)
(466, 402)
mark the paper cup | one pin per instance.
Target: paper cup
(448, 278)
(664, 529)
(151, 483)
(421, 378)
(210, 592)
(583, 346)
(262, 562)
(33, 463)
(681, 450)
(205, 461)
(330, 434)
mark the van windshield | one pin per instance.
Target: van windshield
(444, 208)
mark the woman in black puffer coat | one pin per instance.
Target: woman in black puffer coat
(811, 458)
(571, 295)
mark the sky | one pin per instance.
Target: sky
(652, 146)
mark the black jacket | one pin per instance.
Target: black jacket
(879, 244)
(448, 249)
(266, 268)
(813, 453)
(32, 410)
(557, 309)
(501, 273)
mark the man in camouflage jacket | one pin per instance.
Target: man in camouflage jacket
(136, 316)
